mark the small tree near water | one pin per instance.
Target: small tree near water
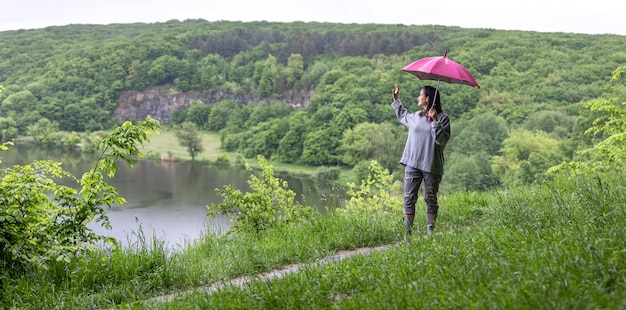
(269, 204)
(377, 197)
(189, 137)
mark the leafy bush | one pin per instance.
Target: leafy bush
(222, 161)
(42, 222)
(610, 127)
(379, 196)
(270, 203)
(69, 141)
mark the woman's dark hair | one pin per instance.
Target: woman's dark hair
(433, 98)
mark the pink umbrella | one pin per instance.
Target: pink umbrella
(440, 68)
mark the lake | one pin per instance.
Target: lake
(169, 199)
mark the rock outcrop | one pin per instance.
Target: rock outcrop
(157, 103)
(160, 102)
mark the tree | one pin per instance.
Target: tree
(270, 203)
(290, 147)
(8, 129)
(320, 147)
(469, 173)
(482, 131)
(213, 72)
(21, 106)
(556, 123)
(43, 132)
(221, 114)
(612, 126)
(526, 157)
(70, 141)
(368, 141)
(348, 118)
(265, 112)
(269, 77)
(190, 138)
(294, 70)
(198, 113)
(41, 221)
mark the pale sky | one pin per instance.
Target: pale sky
(570, 16)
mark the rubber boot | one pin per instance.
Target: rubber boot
(408, 226)
(431, 218)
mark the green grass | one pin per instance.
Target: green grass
(107, 278)
(166, 143)
(556, 246)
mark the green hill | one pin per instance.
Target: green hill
(295, 92)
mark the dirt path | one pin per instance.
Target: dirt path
(276, 273)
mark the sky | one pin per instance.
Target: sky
(569, 16)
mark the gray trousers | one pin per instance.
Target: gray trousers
(412, 180)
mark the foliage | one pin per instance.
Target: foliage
(8, 129)
(91, 141)
(44, 222)
(270, 203)
(70, 141)
(560, 243)
(369, 141)
(610, 127)
(198, 113)
(377, 197)
(464, 173)
(291, 145)
(222, 160)
(480, 131)
(320, 147)
(189, 137)
(526, 157)
(43, 132)
(74, 76)
(556, 123)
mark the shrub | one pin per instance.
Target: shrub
(379, 196)
(270, 203)
(222, 161)
(43, 222)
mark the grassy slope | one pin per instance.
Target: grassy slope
(556, 246)
(559, 246)
(166, 143)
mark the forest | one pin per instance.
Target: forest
(529, 114)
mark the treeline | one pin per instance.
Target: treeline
(526, 117)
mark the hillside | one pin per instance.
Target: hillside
(298, 92)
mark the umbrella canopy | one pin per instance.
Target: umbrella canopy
(441, 68)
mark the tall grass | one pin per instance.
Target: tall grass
(556, 246)
(147, 268)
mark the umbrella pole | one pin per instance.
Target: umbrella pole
(436, 91)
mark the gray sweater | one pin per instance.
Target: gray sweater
(426, 140)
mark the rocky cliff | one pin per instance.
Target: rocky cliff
(159, 102)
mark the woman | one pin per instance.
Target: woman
(429, 131)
